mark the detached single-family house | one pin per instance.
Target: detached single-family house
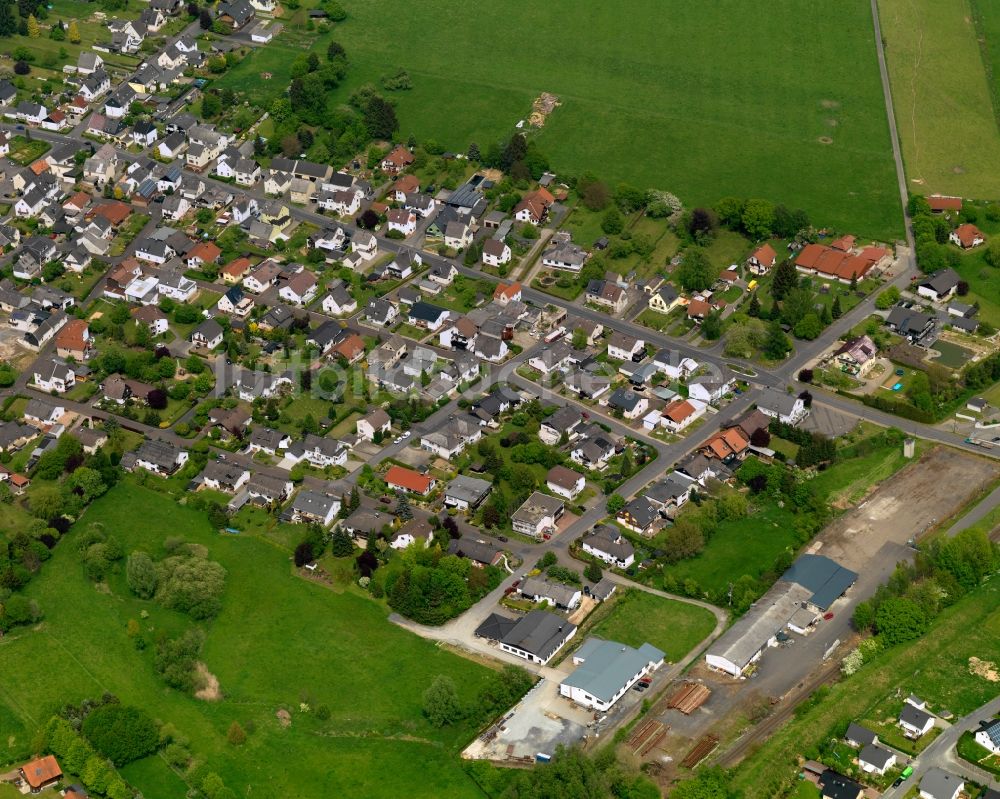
(538, 515)
(762, 260)
(939, 286)
(914, 719)
(565, 482)
(988, 736)
(466, 493)
(623, 347)
(496, 252)
(608, 545)
(377, 421)
(408, 480)
(873, 759)
(967, 236)
(782, 406)
(940, 784)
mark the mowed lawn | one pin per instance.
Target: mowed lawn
(944, 113)
(704, 100)
(279, 641)
(640, 617)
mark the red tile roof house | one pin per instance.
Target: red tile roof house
(74, 341)
(409, 480)
(967, 236)
(762, 259)
(505, 293)
(698, 310)
(408, 184)
(204, 252)
(41, 773)
(397, 160)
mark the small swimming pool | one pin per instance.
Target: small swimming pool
(897, 387)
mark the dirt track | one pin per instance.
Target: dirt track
(911, 502)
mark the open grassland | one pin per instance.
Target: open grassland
(639, 617)
(935, 667)
(705, 100)
(943, 103)
(279, 641)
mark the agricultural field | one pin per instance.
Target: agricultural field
(670, 106)
(950, 139)
(279, 642)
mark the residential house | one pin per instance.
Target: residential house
(160, 457)
(607, 295)
(401, 221)
(608, 545)
(224, 476)
(564, 255)
(466, 493)
(208, 335)
(538, 516)
(425, 315)
(450, 439)
(40, 773)
(558, 595)
(727, 445)
(914, 719)
(967, 236)
(762, 260)
(404, 479)
(381, 312)
(312, 507)
(631, 404)
(300, 289)
(177, 286)
(782, 406)
(457, 235)
(375, 422)
(939, 286)
(54, 376)
(624, 347)
(680, 414)
(988, 736)
(323, 452)
(665, 299)
(639, 516)
(397, 160)
(496, 252)
(565, 482)
(940, 784)
(74, 340)
(711, 388)
(566, 421)
(874, 759)
(857, 355)
(235, 302)
(268, 441)
(364, 244)
(534, 207)
(338, 300)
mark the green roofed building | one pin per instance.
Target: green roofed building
(605, 670)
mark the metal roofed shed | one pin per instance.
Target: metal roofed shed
(605, 670)
(827, 579)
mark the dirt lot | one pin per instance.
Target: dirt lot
(916, 499)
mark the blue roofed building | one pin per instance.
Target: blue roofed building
(605, 670)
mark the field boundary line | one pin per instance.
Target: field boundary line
(976, 14)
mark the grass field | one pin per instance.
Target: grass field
(950, 139)
(640, 617)
(745, 546)
(278, 642)
(669, 106)
(935, 667)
